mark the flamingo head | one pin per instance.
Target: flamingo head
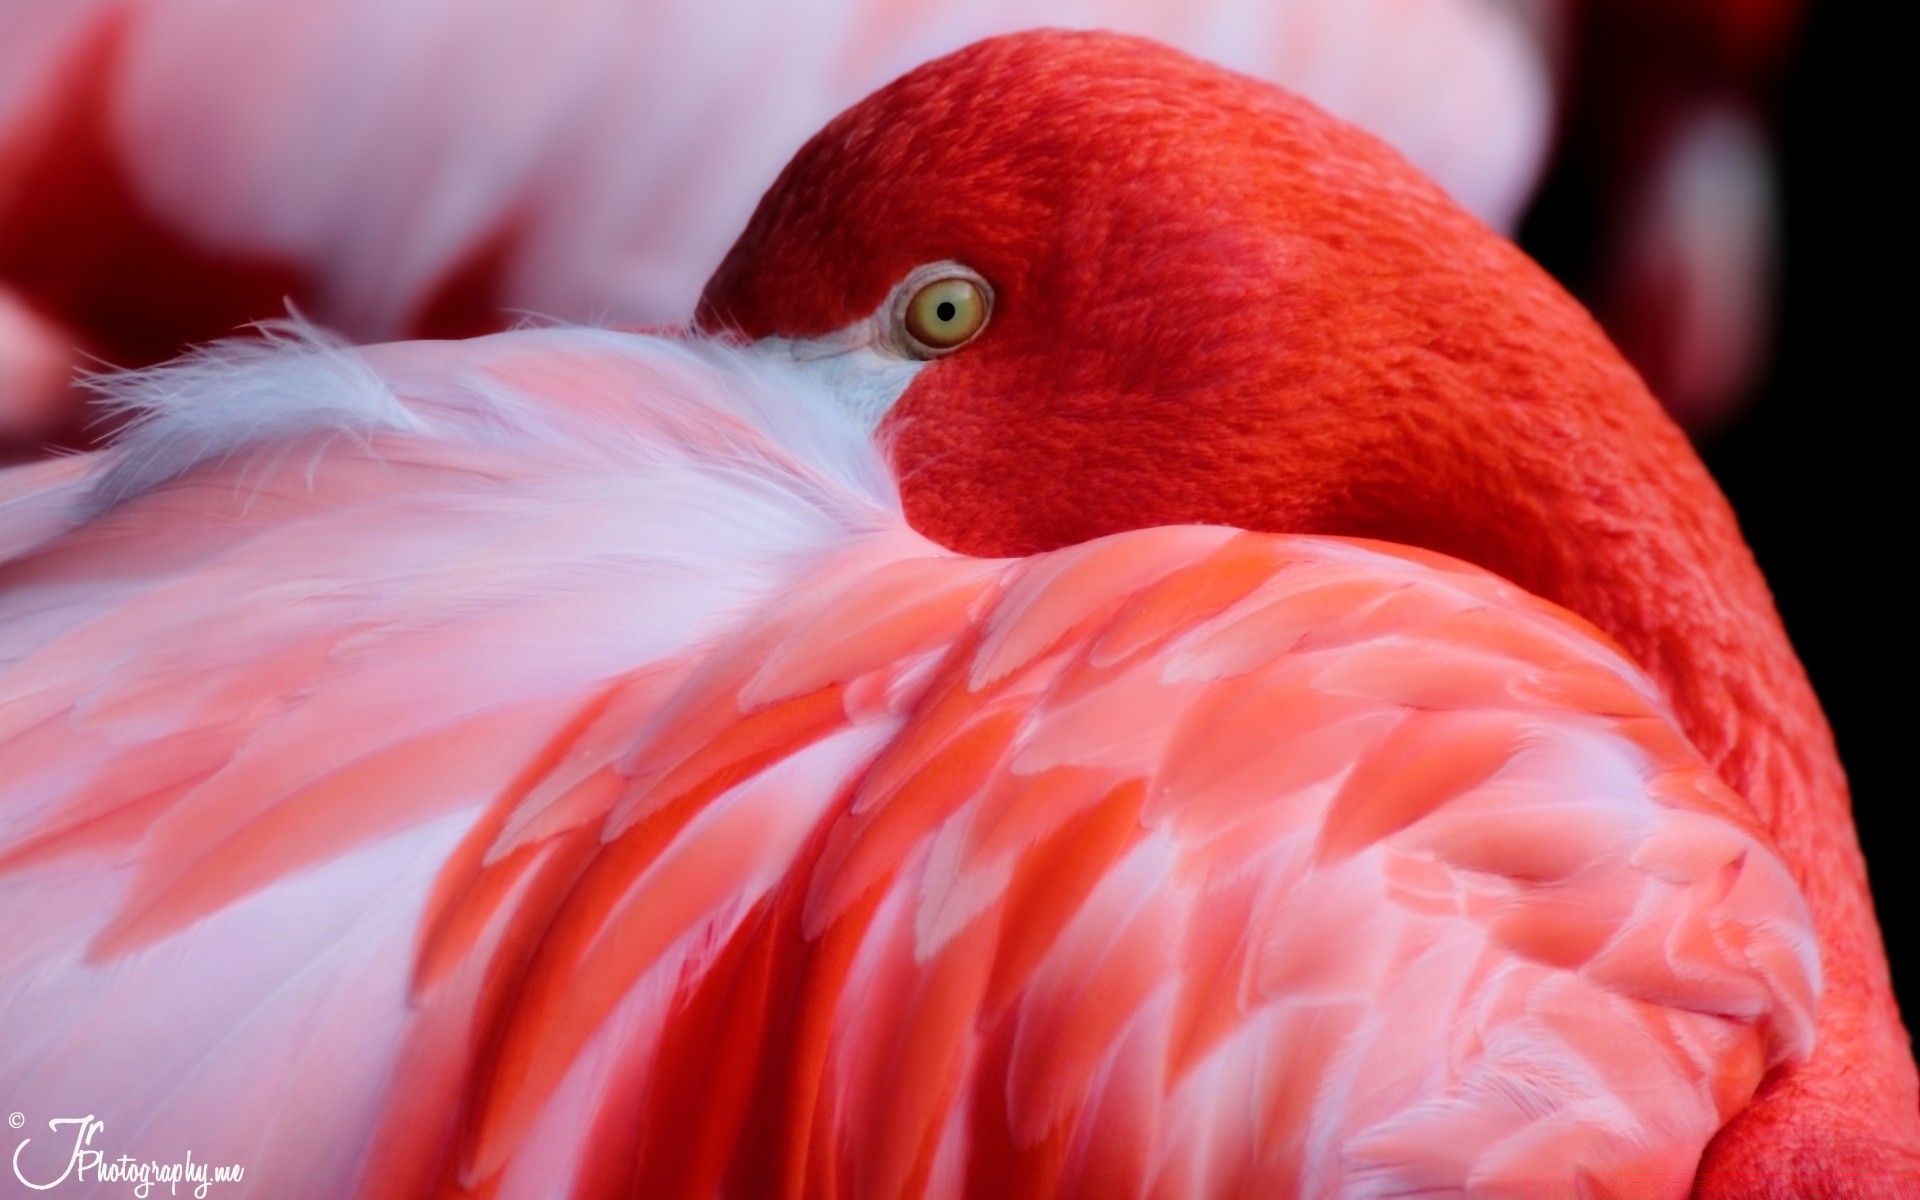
(1082, 283)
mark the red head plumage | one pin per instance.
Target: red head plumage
(1213, 303)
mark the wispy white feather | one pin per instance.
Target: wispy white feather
(291, 380)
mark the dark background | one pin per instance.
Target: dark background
(1817, 465)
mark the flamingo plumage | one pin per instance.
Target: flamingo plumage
(536, 774)
(560, 761)
(171, 169)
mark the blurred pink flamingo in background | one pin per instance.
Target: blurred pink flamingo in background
(171, 169)
(1668, 122)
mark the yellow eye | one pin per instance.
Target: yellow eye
(946, 313)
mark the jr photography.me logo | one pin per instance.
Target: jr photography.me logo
(70, 1158)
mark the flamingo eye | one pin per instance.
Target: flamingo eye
(946, 306)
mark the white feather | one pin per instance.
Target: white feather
(292, 380)
(297, 381)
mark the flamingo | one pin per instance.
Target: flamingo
(36, 364)
(855, 749)
(171, 169)
(1667, 114)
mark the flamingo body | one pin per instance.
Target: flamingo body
(550, 763)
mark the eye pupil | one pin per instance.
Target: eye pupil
(942, 313)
